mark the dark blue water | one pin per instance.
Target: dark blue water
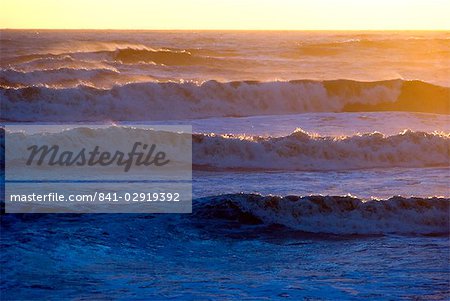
(123, 257)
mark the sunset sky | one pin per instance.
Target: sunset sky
(229, 14)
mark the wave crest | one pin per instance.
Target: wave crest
(162, 56)
(331, 214)
(125, 55)
(186, 100)
(61, 76)
(303, 151)
(298, 151)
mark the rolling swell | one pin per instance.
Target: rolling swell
(298, 151)
(330, 214)
(352, 45)
(162, 56)
(306, 152)
(124, 55)
(186, 100)
(20, 79)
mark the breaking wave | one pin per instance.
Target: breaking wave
(303, 151)
(186, 100)
(330, 214)
(298, 151)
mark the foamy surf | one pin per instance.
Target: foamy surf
(344, 215)
(313, 240)
(303, 151)
(188, 100)
(297, 151)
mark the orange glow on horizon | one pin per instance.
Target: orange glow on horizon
(231, 14)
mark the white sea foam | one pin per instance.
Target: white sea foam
(298, 151)
(165, 101)
(302, 151)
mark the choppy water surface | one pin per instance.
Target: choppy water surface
(321, 164)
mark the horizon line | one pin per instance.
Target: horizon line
(219, 29)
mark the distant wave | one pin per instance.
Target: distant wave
(59, 76)
(32, 69)
(162, 56)
(330, 214)
(354, 44)
(129, 53)
(170, 100)
(298, 151)
(34, 57)
(126, 55)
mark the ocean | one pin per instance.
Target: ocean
(321, 164)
